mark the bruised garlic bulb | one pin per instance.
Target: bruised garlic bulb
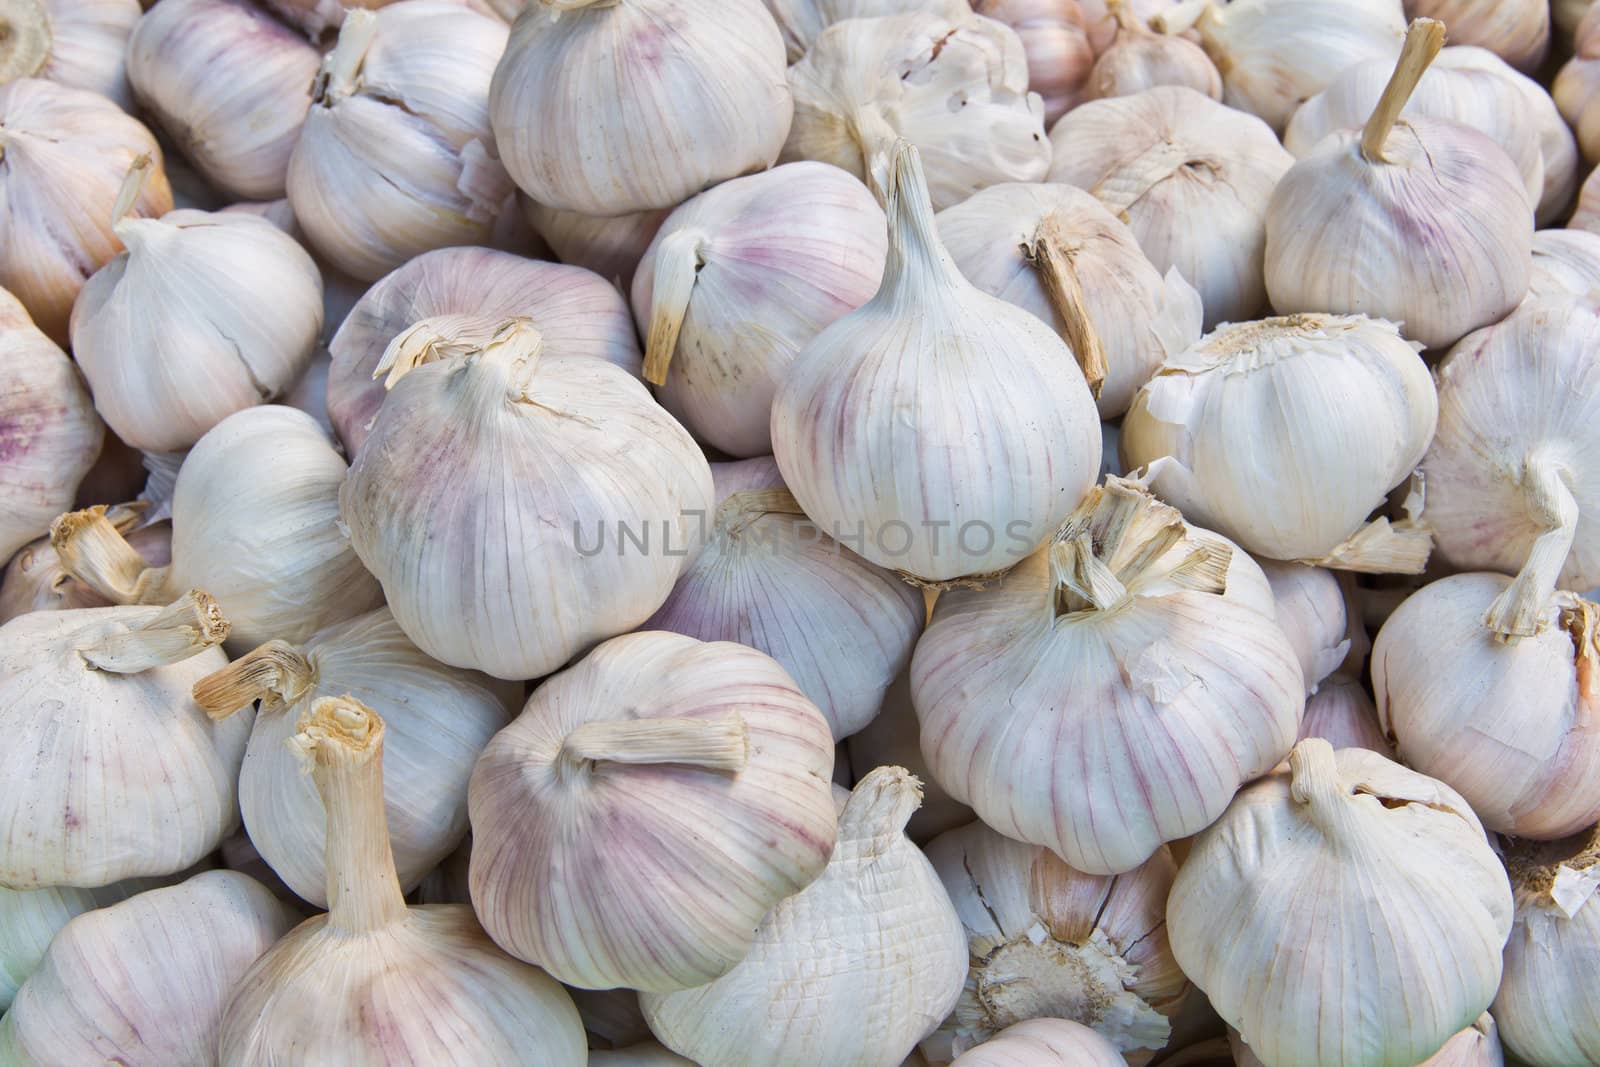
(118, 985)
(36, 580)
(1044, 1043)
(700, 98)
(1310, 610)
(610, 246)
(739, 279)
(955, 87)
(76, 43)
(1142, 57)
(768, 578)
(1385, 849)
(1341, 713)
(874, 427)
(66, 152)
(374, 981)
(1056, 43)
(852, 971)
(1051, 249)
(1518, 31)
(135, 781)
(428, 306)
(894, 739)
(1048, 942)
(802, 21)
(439, 721)
(229, 85)
(1163, 158)
(1476, 1046)
(1122, 638)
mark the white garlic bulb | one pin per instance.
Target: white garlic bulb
(1050, 248)
(66, 152)
(802, 21)
(456, 291)
(136, 781)
(77, 43)
(1303, 492)
(1342, 714)
(1056, 42)
(768, 578)
(894, 739)
(1141, 57)
(1044, 1043)
(1385, 849)
(374, 981)
(609, 246)
(1518, 31)
(852, 971)
(1311, 612)
(1566, 263)
(1048, 942)
(968, 107)
(254, 520)
(578, 131)
(1577, 87)
(875, 426)
(1476, 1046)
(36, 580)
(1119, 639)
(1160, 159)
(739, 279)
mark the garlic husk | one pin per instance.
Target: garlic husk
(230, 86)
(1045, 247)
(1518, 31)
(374, 981)
(65, 153)
(1142, 58)
(1056, 43)
(874, 426)
(36, 580)
(610, 246)
(1044, 1043)
(254, 522)
(802, 21)
(395, 157)
(1365, 411)
(1545, 1007)
(1164, 157)
(576, 313)
(582, 132)
(768, 578)
(894, 739)
(1048, 942)
(136, 781)
(597, 494)
(968, 107)
(1566, 263)
(646, 1054)
(144, 981)
(439, 720)
(1342, 714)
(852, 971)
(1311, 612)
(1476, 1046)
(647, 808)
(76, 43)
(1119, 640)
(739, 279)
(1343, 843)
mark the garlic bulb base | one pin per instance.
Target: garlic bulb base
(1381, 547)
(182, 629)
(25, 40)
(277, 669)
(93, 550)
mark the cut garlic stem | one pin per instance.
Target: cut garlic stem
(1424, 39)
(720, 744)
(1050, 256)
(337, 78)
(275, 668)
(436, 338)
(133, 184)
(515, 342)
(25, 39)
(880, 805)
(183, 629)
(1519, 610)
(92, 550)
(677, 263)
(1314, 781)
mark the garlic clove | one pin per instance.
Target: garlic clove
(36, 579)
(1044, 1043)
(76, 43)
(894, 739)
(1141, 57)
(1056, 42)
(802, 21)
(611, 247)
(1516, 30)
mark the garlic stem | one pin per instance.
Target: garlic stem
(876, 140)
(916, 257)
(678, 260)
(342, 740)
(275, 668)
(185, 628)
(336, 79)
(93, 551)
(1185, 16)
(1580, 617)
(1314, 777)
(719, 744)
(1519, 610)
(432, 340)
(1380, 547)
(1424, 39)
(25, 39)
(743, 508)
(880, 805)
(133, 184)
(1049, 255)
(514, 343)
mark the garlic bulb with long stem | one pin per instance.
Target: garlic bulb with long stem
(739, 279)
(1342, 714)
(1141, 57)
(1120, 643)
(1162, 158)
(374, 981)
(1518, 31)
(1310, 609)
(36, 579)
(1056, 43)
(1476, 1046)
(852, 971)
(1044, 1043)
(77, 43)
(610, 246)
(802, 21)
(1297, 876)
(894, 739)
(936, 430)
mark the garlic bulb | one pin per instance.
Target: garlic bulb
(875, 426)
(66, 152)
(739, 279)
(135, 781)
(574, 455)
(648, 1054)
(374, 981)
(611, 247)
(144, 981)
(1304, 495)
(893, 739)
(1420, 221)
(1566, 14)
(802, 21)
(439, 721)
(1566, 263)
(455, 291)
(1056, 43)
(1048, 248)
(1518, 31)
(1385, 849)
(1577, 86)
(1047, 942)
(1586, 216)
(1341, 713)
(1311, 612)
(768, 578)
(646, 809)
(702, 98)
(396, 156)
(1141, 58)
(36, 580)
(254, 520)
(1162, 158)
(1044, 1043)
(76, 43)
(852, 971)
(955, 87)
(1476, 1046)
(1546, 1002)
(1100, 18)
(1119, 639)
(206, 314)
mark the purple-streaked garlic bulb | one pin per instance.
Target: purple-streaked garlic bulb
(77, 43)
(36, 579)
(1056, 43)
(1518, 31)
(1142, 57)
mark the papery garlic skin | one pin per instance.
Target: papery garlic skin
(1386, 849)
(1162, 158)
(1566, 263)
(66, 152)
(1140, 58)
(802, 21)
(580, 131)
(610, 246)
(1518, 31)
(1311, 612)
(36, 579)
(1056, 42)
(852, 971)
(144, 981)
(1044, 1043)
(1342, 714)
(76, 43)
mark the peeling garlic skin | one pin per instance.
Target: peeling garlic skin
(1044, 1043)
